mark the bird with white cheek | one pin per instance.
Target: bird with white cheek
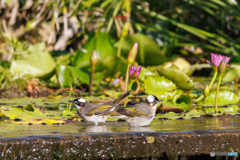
(140, 114)
(96, 113)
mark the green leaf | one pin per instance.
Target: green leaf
(231, 109)
(181, 80)
(169, 115)
(30, 108)
(17, 113)
(184, 102)
(144, 73)
(148, 54)
(158, 85)
(181, 102)
(81, 73)
(37, 62)
(193, 113)
(68, 114)
(230, 75)
(101, 42)
(225, 97)
(114, 64)
(64, 74)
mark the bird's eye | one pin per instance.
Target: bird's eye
(81, 104)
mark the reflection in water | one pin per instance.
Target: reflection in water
(94, 129)
(140, 129)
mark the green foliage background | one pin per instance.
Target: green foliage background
(71, 30)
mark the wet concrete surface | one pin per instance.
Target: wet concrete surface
(163, 139)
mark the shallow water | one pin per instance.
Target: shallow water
(8, 130)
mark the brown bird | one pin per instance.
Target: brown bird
(99, 112)
(140, 114)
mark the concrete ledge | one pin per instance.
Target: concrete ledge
(137, 145)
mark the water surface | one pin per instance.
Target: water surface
(8, 130)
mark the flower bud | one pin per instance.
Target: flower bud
(134, 72)
(223, 66)
(206, 91)
(132, 53)
(125, 28)
(94, 58)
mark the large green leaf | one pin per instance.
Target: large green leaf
(36, 62)
(81, 74)
(144, 73)
(100, 42)
(158, 85)
(231, 109)
(64, 75)
(179, 78)
(148, 54)
(225, 97)
(114, 64)
(17, 113)
(230, 75)
(176, 100)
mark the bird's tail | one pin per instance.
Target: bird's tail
(124, 95)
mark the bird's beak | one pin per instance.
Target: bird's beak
(71, 101)
(160, 100)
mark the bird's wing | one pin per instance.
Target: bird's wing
(101, 109)
(131, 111)
(120, 98)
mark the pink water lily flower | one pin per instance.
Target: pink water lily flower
(134, 72)
(217, 59)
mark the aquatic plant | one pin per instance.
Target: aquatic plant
(131, 58)
(133, 73)
(219, 65)
(222, 69)
(215, 62)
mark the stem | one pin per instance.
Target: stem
(70, 93)
(126, 83)
(127, 77)
(199, 98)
(125, 103)
(210, 85)
(214, 77)
(119, 47)
(91, 83)
(216, 97)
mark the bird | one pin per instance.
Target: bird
(96, 113)
(140, 114)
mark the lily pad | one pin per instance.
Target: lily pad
(169, 115)
(225, 97)
(36, 62)
(17, 113)
(182, 102)
(228, 109)
(68, 114)
(194, 113)
(149, 53)
(144, 73)
(158, 85)
(181, 80)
